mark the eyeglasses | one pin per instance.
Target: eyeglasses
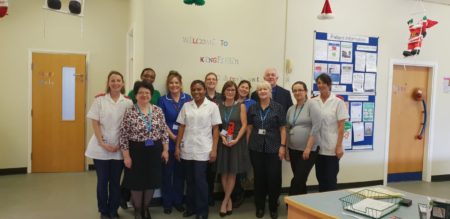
(143, 93)
(230, 90)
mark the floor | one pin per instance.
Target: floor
(72, 196)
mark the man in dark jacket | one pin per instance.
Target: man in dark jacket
(279, 94)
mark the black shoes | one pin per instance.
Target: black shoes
(147, 214)
(222, 214)
(167, 211)
(137, 213)
(104, 216)
(179, 207)
(188, 213)
(114, 216)
(239, 200)
(260, 213)
(274, 214)
(211, 202)
(123, 204)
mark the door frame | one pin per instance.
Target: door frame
(30, 96)
(130, 57)
(431, 105)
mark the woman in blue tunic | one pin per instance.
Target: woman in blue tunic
(173, 175)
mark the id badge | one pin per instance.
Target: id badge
(175, 127)
(262, 131)
(223, 132)
(149, 142)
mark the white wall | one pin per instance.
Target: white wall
(254, 32)
(387, 20)
(101, 33)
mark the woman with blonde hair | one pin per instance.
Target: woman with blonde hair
(172, 189)
(106, 114)
(266, 136)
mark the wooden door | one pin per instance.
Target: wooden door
(58, 133)
(405, 150)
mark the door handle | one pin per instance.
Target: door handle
(418, 96)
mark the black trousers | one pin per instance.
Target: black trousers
(301, 169)
(327, 169)
(267, 171)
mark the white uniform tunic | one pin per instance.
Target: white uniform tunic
(110, 115)
(332, 110)
(197, 139)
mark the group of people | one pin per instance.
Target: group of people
(179, 140)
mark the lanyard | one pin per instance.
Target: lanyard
(296, 115)
(148, 122)
(176, 106)
(263, 118)
(225, 114)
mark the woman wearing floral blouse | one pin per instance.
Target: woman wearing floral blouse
(144, 142)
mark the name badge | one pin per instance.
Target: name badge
(175, 127)
(223, 132)
(291, 132)
(149, 142)
(262, 131)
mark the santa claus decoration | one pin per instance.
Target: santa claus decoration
(417, 32)
(3, 8)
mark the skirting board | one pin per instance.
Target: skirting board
(12, 171)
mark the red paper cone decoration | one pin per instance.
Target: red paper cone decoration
(326, 11)
(3, 8)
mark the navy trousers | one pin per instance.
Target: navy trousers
(197, 187)
(327, 169)
(172, 189)
(108, 185)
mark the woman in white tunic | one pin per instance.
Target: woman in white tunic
(334, 113)
(106, 114)
(196, 146)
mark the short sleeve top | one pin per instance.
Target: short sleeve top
(109, 113)
(270, 120)
(198, 120)
(303, 121)
(332, 111)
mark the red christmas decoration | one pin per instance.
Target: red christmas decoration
(3, 8)
(417, 31)
(326, 13)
